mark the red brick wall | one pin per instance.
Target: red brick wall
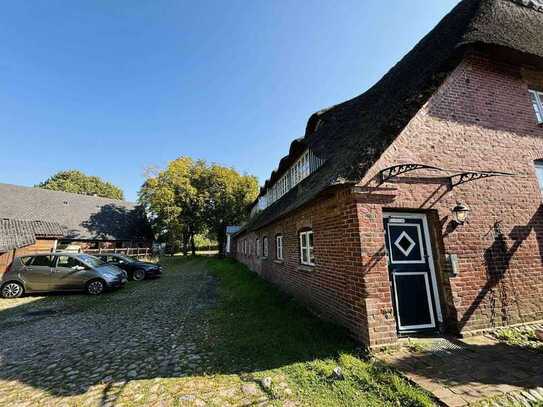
(480, 119)
(333, 288)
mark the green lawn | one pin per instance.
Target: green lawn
(259, 332)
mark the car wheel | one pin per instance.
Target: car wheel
(96, 287)
(138, 275)
(12, 289)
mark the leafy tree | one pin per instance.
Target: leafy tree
(174, 202)
(228, 195)
(191, 197)
(79, 183)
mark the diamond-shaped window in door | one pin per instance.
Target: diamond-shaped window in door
(405, 243)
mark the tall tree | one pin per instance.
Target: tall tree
(80, 183)
(174, 200)
(191, 197)
(228, 195)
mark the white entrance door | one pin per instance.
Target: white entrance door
(411, 267)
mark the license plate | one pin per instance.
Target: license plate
(124, 280)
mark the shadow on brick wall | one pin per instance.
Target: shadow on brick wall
(499, 291)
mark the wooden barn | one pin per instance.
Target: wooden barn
(88, 222)
(19, 237)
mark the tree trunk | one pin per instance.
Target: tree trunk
(221, 239)
(192, 244)
(185, 244)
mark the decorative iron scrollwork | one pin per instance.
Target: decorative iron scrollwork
(468, 176)
(396, 170)
(454, 180)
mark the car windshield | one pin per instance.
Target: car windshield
(91, 260)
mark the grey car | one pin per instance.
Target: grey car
(38, 273)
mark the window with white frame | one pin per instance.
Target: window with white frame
(538, 164)
(245, 246)
(537, 103)
(279, 247)
(257, 247)
(307, 256)
(265, 247)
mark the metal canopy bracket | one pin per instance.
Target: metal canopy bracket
(452, 181)
(396, 170)
(468, 176)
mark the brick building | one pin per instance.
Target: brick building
(364, 219)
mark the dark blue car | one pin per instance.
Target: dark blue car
(135, 269)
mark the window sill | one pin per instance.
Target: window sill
(306, 268)
(277, 261)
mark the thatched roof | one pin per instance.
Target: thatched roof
(352, 135)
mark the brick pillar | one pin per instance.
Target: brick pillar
(381, 324)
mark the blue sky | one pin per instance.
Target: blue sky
(113, 87)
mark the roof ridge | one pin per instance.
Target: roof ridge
(52, 191)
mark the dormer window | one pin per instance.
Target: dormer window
(304, 166)
(537, 99)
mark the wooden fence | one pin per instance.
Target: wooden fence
(138, 252)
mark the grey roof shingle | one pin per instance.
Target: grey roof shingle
(82, 216)
(16, 233)
(352, 135)
(42, 228)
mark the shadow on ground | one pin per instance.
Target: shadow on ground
(481, 366)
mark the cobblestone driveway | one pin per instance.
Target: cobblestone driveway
(142, 345)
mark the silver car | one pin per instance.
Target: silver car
(38, 273)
